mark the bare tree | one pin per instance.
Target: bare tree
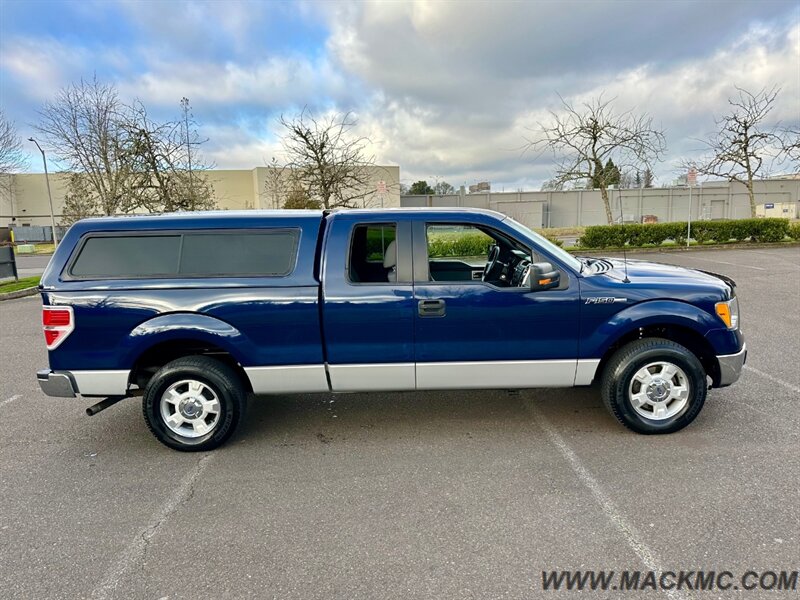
(276, 186)
(79, 201)
(328, 159)
(791, 146)
(552, 185)
(743, 143)
(297, 196)
(12, 157)
(81, 127)
(164, 166)
(582, 139)
(443, 188)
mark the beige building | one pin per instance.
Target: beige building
(23, 197)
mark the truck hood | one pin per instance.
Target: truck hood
(652, 273)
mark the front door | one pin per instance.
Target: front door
(478, 329)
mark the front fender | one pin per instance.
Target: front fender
(599, 336)
(186, 326)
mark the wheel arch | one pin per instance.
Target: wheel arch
(680, 333)
(163, 339)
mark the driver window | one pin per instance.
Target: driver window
(457, 252)
(465, 253)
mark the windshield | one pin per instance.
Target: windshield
(546, 244)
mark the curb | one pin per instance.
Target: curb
(19, 294)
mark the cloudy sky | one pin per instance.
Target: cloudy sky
(446, 90)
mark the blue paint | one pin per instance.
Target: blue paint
(266, 321)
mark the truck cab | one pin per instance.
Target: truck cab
(194, 311)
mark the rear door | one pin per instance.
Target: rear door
(472, 334)
(368, 303)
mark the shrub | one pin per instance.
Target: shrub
(757, 230)
(794, 231)
(769, 230)
(458, 244)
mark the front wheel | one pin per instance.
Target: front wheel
(194, 403)
(654, 386)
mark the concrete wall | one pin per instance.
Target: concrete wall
(714, 200)
(24, 196)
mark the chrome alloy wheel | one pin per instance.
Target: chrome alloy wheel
(659, 391)
(190, 408)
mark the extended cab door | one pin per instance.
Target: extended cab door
(368, 302)
(475, 333)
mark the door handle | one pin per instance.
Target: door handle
(431, 308)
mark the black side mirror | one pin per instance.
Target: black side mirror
(543, 276)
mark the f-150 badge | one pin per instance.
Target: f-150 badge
(604, 300)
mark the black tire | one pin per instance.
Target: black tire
(219, 378)
(615, 385)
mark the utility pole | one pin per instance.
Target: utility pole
(49, 194)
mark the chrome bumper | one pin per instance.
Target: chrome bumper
(730, 366)
(59, 385)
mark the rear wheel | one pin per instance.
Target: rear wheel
(654, 385)
(194, 403)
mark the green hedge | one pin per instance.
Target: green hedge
(655, 234)
(444, 245)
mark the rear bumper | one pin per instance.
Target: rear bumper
(69, 384)
(59, 385)
(730, 366)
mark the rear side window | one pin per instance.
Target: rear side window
(242, 254)
(196, 254)
(118, 256)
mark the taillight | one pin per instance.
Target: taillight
(57, 322)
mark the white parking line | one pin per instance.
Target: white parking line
(135, 551)
(773, 379)
(722, 262)
(632, 537)
(7, 400)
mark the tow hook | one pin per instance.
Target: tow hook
(103, 404)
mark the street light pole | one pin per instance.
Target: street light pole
(49, 194)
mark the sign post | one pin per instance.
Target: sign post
(380, 189)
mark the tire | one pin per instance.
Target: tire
(643, 386)
(194, 403)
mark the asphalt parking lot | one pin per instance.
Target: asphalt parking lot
(430, 495)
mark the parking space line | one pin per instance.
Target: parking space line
(773, 379)
(722, 262)
(135, 551)
(628, 531)
(7, 400)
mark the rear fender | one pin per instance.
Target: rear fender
(186, 326)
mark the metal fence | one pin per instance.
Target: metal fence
(36, 233)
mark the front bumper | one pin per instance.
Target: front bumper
(730, 366)
(59, 385)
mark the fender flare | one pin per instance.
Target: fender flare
(648, 313)
(185, 326)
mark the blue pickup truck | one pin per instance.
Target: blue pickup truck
(194, 311)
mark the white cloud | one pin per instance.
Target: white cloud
(459, 86)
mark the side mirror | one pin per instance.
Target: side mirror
(543, 276)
